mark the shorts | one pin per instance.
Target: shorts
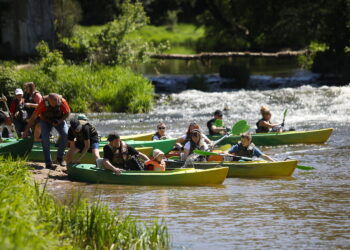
(80, 146)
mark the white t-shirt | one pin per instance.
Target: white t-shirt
(188, 146)
(203, 136)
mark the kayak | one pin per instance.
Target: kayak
(178, 177)
(282, 138)
(246, 169)
(164, 145)
(138, 137)
(37, 154)
(16, 148)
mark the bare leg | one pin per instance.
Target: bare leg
(96, 153)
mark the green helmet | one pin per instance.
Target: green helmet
(82, 117)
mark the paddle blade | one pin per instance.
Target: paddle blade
(240, 127)
(218, 123)
(205, 153)
(285, 114)
(305, 167)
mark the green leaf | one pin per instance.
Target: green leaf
(218, 123)
(240, 127)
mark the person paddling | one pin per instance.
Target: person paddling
(264, 125)
(246, 148)
(213, 129)
(32, 99)
(196, 142)
(187, 137)
(53, 111)
(86, 139)
(119, 156)
(18, 113)
(161, 132)
(158, 162)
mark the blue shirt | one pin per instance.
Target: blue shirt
(256, 151)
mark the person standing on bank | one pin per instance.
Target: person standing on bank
(86, 139)
(53, 112)
(32, 98)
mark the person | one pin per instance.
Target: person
(264, 125)
(119, 156)
(18, 112)
(214, 130)
(246, 148)
(53, 111)
(160, 134)
(5, 124)
(158, 162)
(196, 142)
(32, 98)
(187, 137)
(86, 139)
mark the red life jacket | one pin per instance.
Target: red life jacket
(153, 165)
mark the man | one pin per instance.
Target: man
(246, 148)
(118, 156)
(214, 130)
(18, 113)
(53, 111)
(86, 139)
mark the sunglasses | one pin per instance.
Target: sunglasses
(161, 127)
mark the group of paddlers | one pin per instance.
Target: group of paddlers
(34, 114)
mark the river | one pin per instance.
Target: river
(310, 210)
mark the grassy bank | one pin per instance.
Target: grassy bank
(182, 38)
(107, 88)
(32, 219)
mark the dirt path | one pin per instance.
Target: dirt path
(41, 174)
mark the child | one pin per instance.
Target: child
(246, 148)
(158, 163)
(264, 125)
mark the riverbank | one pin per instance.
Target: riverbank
(31, 218)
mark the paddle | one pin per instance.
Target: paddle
(218, 123)
(237, 129)
(284, 117)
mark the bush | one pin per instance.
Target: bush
(198, 82)
(7, 80)
(306, 61)
(48, 59)
(32, 219)
(107, 88)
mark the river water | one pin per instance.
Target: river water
(310, 210)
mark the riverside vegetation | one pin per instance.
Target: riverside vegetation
(32, 219)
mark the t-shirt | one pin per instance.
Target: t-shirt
(108, 153)
(188, 146)
(157, 137)
(65, 109)
(256, 151)
(86, 133)
(210, 124)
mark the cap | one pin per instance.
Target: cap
(75, 124)
(18, 92)
(82, 117)
(218, 112)
(157, 152)
(112, 137)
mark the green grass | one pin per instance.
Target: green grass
(109, 89)
(30, 218)
(182, 37)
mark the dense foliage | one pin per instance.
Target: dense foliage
(32, 219)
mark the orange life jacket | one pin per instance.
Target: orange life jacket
(153, 165)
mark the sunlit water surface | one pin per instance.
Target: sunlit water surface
(308, 211)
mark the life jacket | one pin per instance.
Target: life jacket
(245, 152)
(209, 125)
(156, 136)
(29, 98)
(80, 136)
(261, 129)
(22, 112)
(120, 155)
(153, 165)
(52, 114)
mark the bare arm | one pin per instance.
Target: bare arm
(29, 124)
(180, 140)
(267, 158)
(267, 125)
(85, 149)
(143, 156)
(65, 116)
(108, 165)
(217, 129)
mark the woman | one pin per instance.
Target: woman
(18, 112)
(264, 125)
(196, 142)
(160, 134)
(32, 99)
(186, 137)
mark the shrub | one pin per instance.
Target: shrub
(306, 61)
(7, 80)
(32, 219)
(48, 59)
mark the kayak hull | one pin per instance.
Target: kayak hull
(284, 138)
(138, 137)
(37, 154)
(180, 177)
(253, 169)
(16, 148)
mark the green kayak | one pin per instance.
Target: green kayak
(283, 138)
(178, 177)
(246, 169)
(16, 148)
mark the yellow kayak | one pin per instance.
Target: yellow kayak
(138, 137)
